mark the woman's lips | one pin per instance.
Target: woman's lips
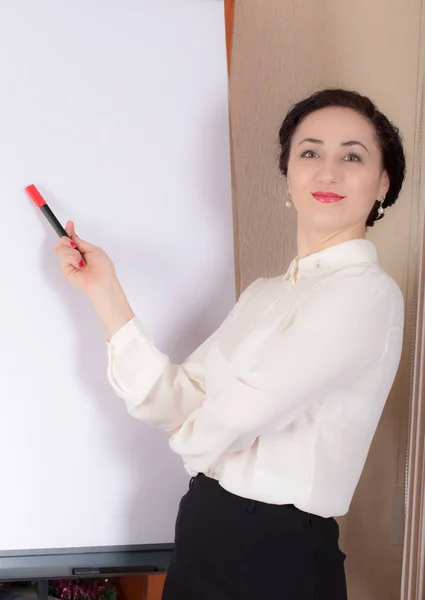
(327, 197)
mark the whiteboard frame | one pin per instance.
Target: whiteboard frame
(113, 561)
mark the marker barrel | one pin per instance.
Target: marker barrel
(53, 220)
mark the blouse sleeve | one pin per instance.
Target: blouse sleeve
(155, 390)
(343, 329)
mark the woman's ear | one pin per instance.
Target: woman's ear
(385, 184)
(287, 184)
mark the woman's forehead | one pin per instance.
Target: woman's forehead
(336, 124)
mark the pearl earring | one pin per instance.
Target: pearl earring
(288, 202)
(381, 209)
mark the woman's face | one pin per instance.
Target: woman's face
(335, 171)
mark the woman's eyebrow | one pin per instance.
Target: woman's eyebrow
(349, 143)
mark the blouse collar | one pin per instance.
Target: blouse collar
(341, 255)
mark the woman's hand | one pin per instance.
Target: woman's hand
(90, 270)
(83, 265)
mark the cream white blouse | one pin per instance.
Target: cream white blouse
(281, 403)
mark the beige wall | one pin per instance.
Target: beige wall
(282, 51)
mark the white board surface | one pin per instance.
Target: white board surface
(117, 112)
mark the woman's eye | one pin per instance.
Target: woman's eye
(353, 157)
(309, 154)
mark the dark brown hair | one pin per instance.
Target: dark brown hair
(388, 137)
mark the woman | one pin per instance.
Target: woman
(275, 413)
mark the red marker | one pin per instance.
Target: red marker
(40, 202)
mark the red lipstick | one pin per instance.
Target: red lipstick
(327, 197)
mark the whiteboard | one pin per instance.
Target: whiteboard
(117, 112)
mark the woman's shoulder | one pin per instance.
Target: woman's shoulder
(363, 275)
(365, 282)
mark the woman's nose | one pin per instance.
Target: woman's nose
(328, 172)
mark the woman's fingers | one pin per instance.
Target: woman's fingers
(82, 245)
(64, 243)
(68, 254)
(70, 229)
(71, 258)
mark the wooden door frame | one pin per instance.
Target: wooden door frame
(229, 16)
(413, 574)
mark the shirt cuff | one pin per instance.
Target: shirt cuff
(128, 332)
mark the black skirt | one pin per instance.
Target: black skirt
(231, 548)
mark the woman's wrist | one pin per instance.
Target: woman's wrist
(111, 306)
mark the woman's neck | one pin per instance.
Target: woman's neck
(311, 242)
